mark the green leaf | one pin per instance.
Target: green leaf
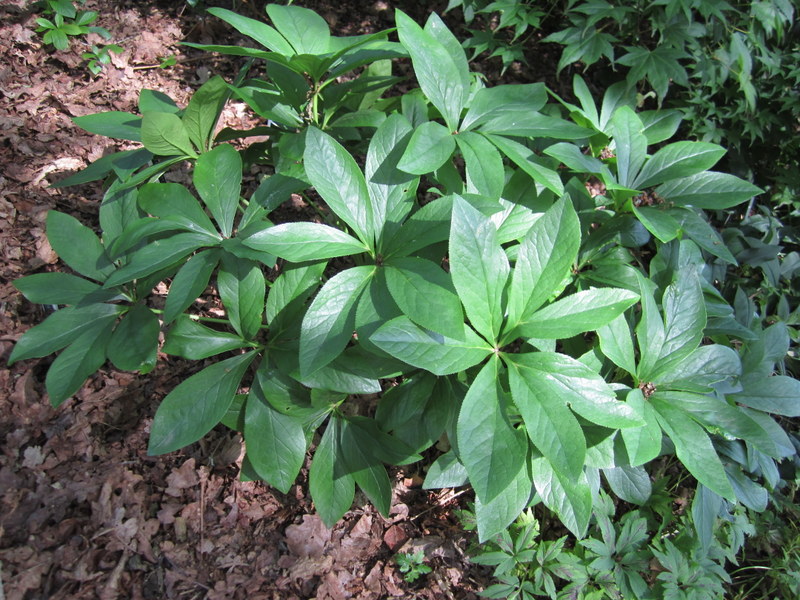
(660, 125)
(697, 229)
(113, 124)
(55, 288)
(550, 424)
(275, 442)
(693, 447)
(660, 66)
(189, 283)
(425, 294)
(155, 101)
(717, 413)
(337, 178)
(171, 200)
(446, 471)
(190, 339)
(218, 178)
(579, 386)
(529, 124)
(489, 102)
(525, 159)
(434, 352)
(193, 408)
(134, 344)
(439, 75)
(78, 361)
(709, 190)
(484, 165)
(642, 444)
(616, 343)
(680, 159)
(492, 451)
(430, 146)
(495, 516)
(704, 367)
(631, 484)
(580, 312)
(570, 498)
(778, 394)
(78, 246)
(242, 288)
(302, 241)
(260, 32)
(658, 222)
(164, 134)
(295, 284)
(544, 259)
(428, 226)
(158, 255)
(391, 191)
(62, 328)
(479, 267)
(684, 320)
(330, 320)
(331, 488)
(305, 30)
(631, 144)
(358, 450)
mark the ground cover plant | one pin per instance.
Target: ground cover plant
(559, 342)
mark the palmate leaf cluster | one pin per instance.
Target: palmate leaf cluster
(459, 269)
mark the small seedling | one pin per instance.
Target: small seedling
(412, 566)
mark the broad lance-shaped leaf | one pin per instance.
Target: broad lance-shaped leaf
(431, 351)
(201, 115)
(778, 394)
(494, 516)
(360, 460)
(134, 345)
(616, 343)
(164, 134)
(218, 179)
(391, 191)
(630, 144)
(704, 367)
(570, 498)
(332, 489)
(190, 339)
(577, 385)
(583, 311)
(642, 444)
(431, 145)
(298, 242)
(709, 190)
(78, 246)
(526, 160)
(680, 159)
(483, 165)
(260, 32)
(479, 267)
(439, 76)
(693, 447)
(242, 288)
(167, 200)
(550, 424)
(55, 288)
(337, 178)
(61, 329)
(490, 448)
(330, 320)
(113, 124)
(305, 30)
(78, 361)
(426, 295)
(684, 320)
(543, 261)
(193, 408)
(275, 442)
(189, 283)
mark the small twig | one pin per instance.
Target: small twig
(111, 588)
(177, 62)
(439, 504)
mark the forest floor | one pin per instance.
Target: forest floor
(84, 512)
